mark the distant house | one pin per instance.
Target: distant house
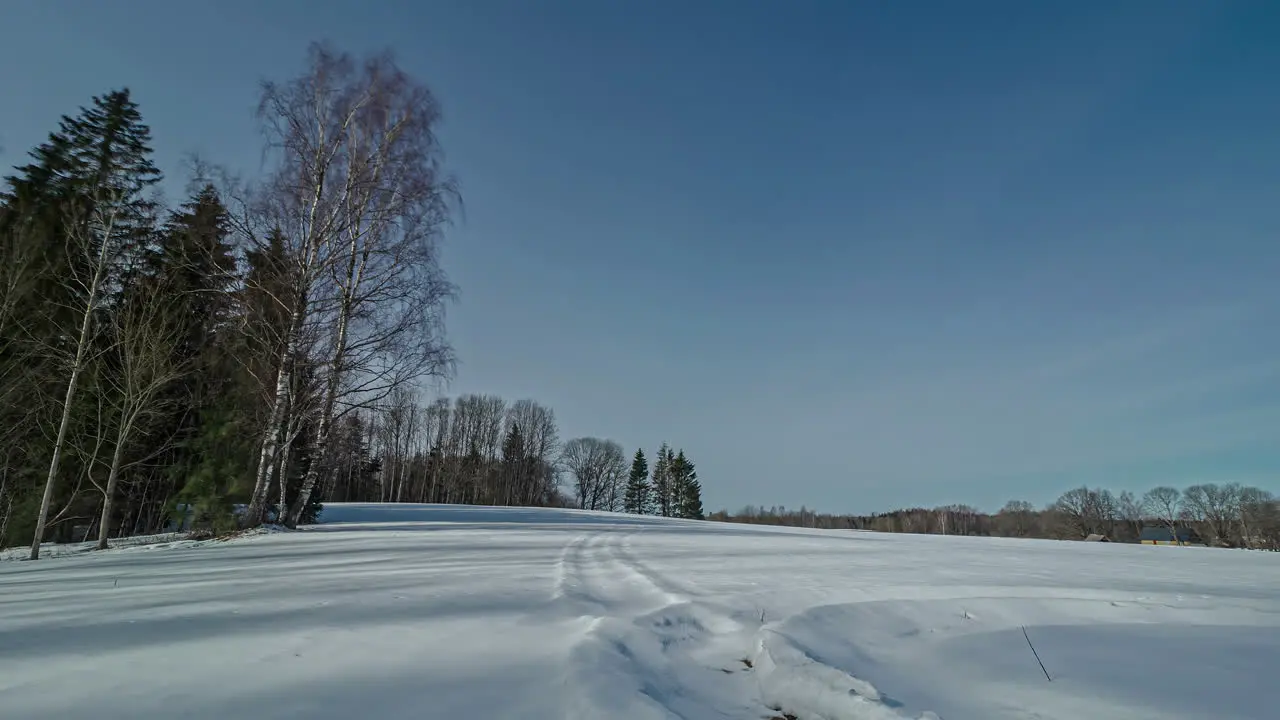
(1162, 535)
(1095, 537)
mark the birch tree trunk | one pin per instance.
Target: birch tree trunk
(113, 475)
(73, 378)
(320, 447)
(271, 437)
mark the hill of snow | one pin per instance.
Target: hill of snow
(416, 611)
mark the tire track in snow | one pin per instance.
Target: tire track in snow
(594, 576)
(568, 571)
(646, 651)
(626, 555)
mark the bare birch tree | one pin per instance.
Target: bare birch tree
(541, 441)
(364, 201)
(145, 338)
(91, 231)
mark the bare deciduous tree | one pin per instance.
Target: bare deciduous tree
(145, 335)
(1165, 504)
(1256, 510)
(598, 467)
(1017, 518)
(1087, 511)
(390, 203)
(91, 231)
(533, 484)
(360, 196)
(1129, 512)
(1217, 507)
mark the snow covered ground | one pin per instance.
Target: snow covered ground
(410, 611)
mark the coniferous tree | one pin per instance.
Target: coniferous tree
(87, 184)
(687, 489)
(637, 499)
(193, 261)
(515, 459)
(662, 481)
(677, 470)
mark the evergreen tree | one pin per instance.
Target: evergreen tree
(217, 456)
(515, 461)
(85, 190)
(662, 481)
(266, 301)
(81, 199)
(637, 498)
(193, 260)
(687, 491)
(677, 471)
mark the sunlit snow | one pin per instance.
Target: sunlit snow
(413, 611)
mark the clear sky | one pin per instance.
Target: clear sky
(854, 255)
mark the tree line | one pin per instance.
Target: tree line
(1225, 515)
(260, 346)
(478, 449)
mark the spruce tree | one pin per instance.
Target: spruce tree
(677, 471)
(193, 260)
(662, 481)
(515, 462)
(87, 187)
(266, 300)
(84, 194)
(688, 491)
(637, 500)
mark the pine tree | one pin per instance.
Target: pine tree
(662, 481)
(637, 499)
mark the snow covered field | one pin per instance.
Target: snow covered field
(404, 611)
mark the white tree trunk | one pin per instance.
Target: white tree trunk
(271, 433)
(286, 454)
(269, 447)
(320, 447)
(73, 380)
(104, 524)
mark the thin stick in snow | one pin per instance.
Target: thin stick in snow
(1033, 652)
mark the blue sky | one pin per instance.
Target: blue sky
(854, 255)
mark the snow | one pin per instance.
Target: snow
(396, 611)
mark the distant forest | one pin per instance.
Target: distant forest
(1228, 515)
(264, 345)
